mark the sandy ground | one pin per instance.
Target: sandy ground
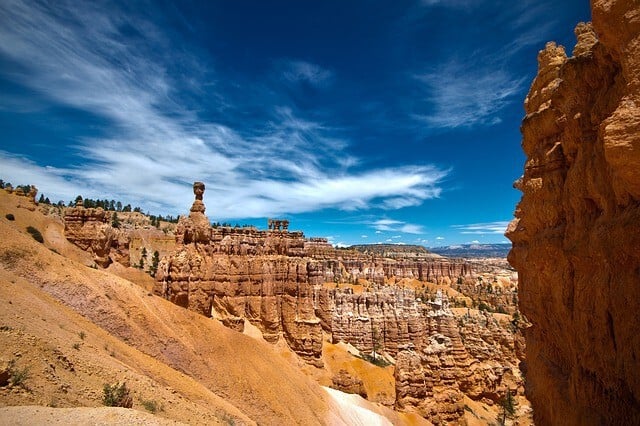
(34, 415)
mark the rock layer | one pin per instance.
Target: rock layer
(576, 235)
(89, 230)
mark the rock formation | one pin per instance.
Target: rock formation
(88, 229)
(302, 291)
(345, 382)
(278, 280)
(576, 234)
(386, 318)
(212, 274)
(27, 196)
(453, 357)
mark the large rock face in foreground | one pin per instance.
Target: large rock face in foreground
(576, 236)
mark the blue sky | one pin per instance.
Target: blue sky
(362, 121)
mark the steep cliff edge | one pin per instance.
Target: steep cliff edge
(576, 234)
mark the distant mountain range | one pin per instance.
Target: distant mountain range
(462, 250)
(391, 250)
(473, 250)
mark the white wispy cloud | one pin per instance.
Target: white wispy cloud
(155, 144)
(498, 227)
(22, 171)
(303, 71)
(463, 96)
(391, 225)
(385, 225)
(473, 88)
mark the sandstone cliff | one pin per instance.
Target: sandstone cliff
(89, 230)
(576, 234)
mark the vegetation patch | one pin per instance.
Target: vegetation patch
(35, 234)
(508, 408)
(116, 395)
(11, 256)
(375, 360)
(18, 376)
(10, 216)
(151, 405)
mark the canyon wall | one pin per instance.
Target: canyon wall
(303, 291)
(576, 235)
(286, 286)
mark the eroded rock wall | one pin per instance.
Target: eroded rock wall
(576, 236)
(235, 274)
(89, 230)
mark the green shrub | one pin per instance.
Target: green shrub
(116, 395)
(76, 346)
(82, 335)
(377, 360)
(10, 216)
(150, 405)
(35, 234)
(18, 376)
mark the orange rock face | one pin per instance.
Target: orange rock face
(89, 230)
(576, 235)
(235, 274)
(345, 382)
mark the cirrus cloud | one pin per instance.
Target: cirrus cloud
(155, 140)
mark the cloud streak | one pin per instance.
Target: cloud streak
(156, 143)
(475, 87)
(302, 71)
(459, 99)
(498, 227)
(391, 225)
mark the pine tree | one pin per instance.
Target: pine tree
(375, 337)
(154, 263)
(115, 221)
(508, 405)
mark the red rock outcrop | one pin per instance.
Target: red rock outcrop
(576, 234)
(345, 382)
(91, 229)
(453, 357)
(27, 196)
(387, 317)
(88, 229)
(235, 275)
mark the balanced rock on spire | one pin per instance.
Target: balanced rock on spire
(195, 228)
